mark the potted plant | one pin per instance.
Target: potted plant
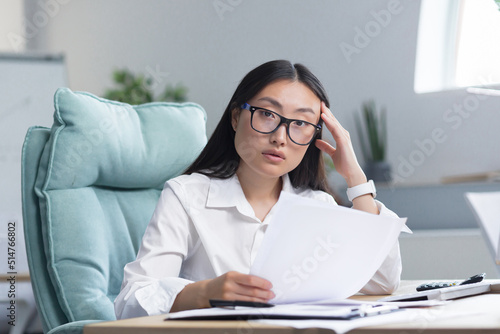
(138, 89)
(372, 130)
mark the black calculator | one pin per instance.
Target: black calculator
(439, 285)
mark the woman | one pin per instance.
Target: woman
(209, 222)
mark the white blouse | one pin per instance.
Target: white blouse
(202, 228)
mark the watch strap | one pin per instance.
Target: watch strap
(362, 189)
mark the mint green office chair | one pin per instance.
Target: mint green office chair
(90, 185)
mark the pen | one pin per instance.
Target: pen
(375, 310)
(234, 303)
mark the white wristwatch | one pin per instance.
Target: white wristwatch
(362, 189)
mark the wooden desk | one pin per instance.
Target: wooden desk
(467, 315)
(20, 277)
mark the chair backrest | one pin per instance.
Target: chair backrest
(90, 185)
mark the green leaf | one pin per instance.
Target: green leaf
(138, 89)
(362, 139)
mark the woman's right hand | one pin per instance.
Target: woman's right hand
(237, 286)
(230, 286)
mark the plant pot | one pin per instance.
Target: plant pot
(378, 171)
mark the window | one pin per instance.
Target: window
(458, 45)
(478, 48)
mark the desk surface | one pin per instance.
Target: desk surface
(467, 315)
(20, 277)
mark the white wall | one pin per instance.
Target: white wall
(446, 254)
(210, 49)
(11, 13)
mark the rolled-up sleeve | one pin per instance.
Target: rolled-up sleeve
(148, 298)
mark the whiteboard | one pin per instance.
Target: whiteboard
(27, 86)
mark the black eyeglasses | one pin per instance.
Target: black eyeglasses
(267, 121)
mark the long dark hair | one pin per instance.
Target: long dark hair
(219, 157)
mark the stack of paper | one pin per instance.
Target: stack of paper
(345, 310)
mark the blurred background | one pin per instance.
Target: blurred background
(427, 71)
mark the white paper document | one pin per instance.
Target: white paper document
(336, 317)
(343, 310)
(486, 207)
(315, 251)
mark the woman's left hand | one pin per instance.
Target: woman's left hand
(343, 155)
(344, 159)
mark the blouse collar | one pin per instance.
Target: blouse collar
(225, 193)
